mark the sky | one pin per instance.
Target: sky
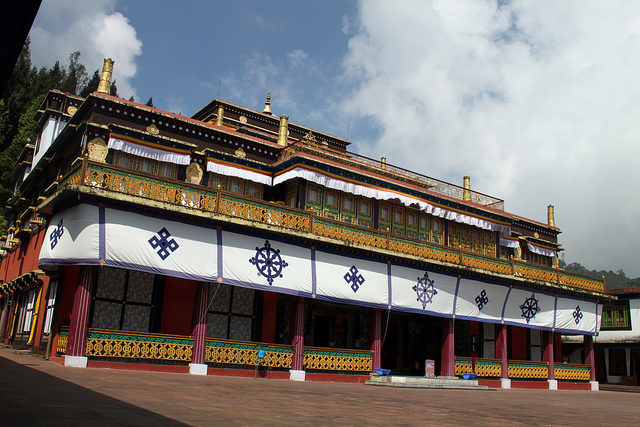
(539, 102)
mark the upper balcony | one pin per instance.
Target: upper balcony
(114, 183)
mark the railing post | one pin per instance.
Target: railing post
(217, 201)
(311, 219)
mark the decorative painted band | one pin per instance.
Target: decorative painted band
(521, 369)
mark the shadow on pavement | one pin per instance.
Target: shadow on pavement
(31, 397)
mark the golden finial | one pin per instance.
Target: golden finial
(267, 104)
(105, 80)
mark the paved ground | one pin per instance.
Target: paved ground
(38, 392)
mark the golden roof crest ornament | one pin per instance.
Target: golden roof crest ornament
(240, 153)
(153, 129)
(267, 104)
(105, 80)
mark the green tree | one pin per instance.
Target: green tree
(92, 85)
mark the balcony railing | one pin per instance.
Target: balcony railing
(114, 179)
(521, 369)
(433, 184)
(129, 345)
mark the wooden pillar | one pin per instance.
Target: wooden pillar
(269, 311)
(41, 312)
(200, 308)
(297, 341)
(77, 340)
(589, 359)
(548, 338)
(503, 353)
(447, 367)
(375, 332)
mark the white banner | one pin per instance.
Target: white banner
(160, 245)
(245, 173)
(269, 263)
(529, 307)
(422, 290)
(72, 236)
(148, 152)
(480, 300)
(88, 234)
(577, 316)
(351, 279)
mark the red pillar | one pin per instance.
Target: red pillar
(589, 357)
(502, 352)
(269, 309)
(77, 340)
(201, 304)
(375, 329)
(297, 341)
(447, 368)
(548, 338)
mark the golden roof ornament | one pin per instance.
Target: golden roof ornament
(267, 104)
(105, 80)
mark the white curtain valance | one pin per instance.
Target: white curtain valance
(148, 152)
(238, 172)
(509, 242)
(361, 190)
(541, 251)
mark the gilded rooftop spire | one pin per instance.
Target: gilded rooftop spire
(105, 80)
(267, 104)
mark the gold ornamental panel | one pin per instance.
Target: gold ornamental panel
(337, 362)
(138, 349)
(531, 370)
(572, 372)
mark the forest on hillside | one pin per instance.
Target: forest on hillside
(26, 89)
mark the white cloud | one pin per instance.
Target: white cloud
(93, 28)
(538, 103)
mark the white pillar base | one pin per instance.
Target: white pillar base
(296, 375)
(595, 385)
(198, 369)
(553, 384)
(505, 383)
(75, 361)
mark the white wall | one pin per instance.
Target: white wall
(51, 129)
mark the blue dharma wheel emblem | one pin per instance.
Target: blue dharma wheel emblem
(425, 290)
(530, 308)
(268, 262)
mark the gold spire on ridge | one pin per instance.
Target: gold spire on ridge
(267, 104)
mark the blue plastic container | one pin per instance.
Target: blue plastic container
(383, 372)
(471, 376)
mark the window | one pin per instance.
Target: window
(313, 195)
(231, 313)
(236, 186)
(332, 199)
(217, 181)
(384, 213)
(347, 203)
(398, 216)
(142, 164)
(254, 190)
(51, 302)
(411, 219)
(123, 300)
(616, 316)
(364, 207)
(28, 310)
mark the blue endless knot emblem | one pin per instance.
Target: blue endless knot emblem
(354, 278)
(482, 299)
(268, 262)
(56, 234)
(425, 290)
(530, 308)
(577, 314)
(164, 242)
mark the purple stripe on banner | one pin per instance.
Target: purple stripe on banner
(102, 242)
(455, 297)
(504, 306)
(313, 272)
(389, 299)
(219, 233)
